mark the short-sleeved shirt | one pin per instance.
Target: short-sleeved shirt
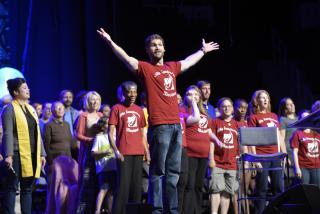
(264, 120)
(308, 148)
(198, 139)
(160, 85)
(129, 121)
(227, 133)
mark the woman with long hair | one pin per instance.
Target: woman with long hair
(261, 116)
(86, 132)
(287, 115)
(199, 150)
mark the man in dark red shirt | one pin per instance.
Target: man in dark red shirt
(164, 135)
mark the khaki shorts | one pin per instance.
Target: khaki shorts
(223, 180)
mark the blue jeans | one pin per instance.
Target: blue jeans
(310, 176)
(165, 146)
(277, 182)
(11, 188)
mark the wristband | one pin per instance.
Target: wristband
(202, 49)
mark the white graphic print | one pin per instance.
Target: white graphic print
(203, 124)
(168, 83)
(228, 138)
(132, 121)
(313, 147)
(271, 124)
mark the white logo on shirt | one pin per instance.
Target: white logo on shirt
(313, 149)
(168, 83)
(132, 121)
(203, 124)
(228, 138)
(271, 124)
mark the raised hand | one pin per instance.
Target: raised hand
(210, 46)
(104, 35)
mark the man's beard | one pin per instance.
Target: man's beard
(67, 104)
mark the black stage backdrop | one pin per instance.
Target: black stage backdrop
(272, 45)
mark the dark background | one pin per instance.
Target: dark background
(270, 45)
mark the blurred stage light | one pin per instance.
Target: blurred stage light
(7, 73)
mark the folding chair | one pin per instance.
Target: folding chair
(257, 136)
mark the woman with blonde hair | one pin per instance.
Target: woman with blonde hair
(85, 133)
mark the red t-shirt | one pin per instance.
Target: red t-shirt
(227, 133)
(308, 148)
(129, 121)
(198, 139)
(160, 85)
(183, 115)
(264, 120)
(242, 123)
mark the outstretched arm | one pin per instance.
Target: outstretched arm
(194, 58)
(129, 61)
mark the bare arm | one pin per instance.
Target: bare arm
(211, 156)
(296, 162)
(195, 116)
(214, 138)
(111, 134)
(145, 144)
(195, 57)
(282, 133)
(282, 143)
(129, 61)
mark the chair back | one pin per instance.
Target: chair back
(259, 136)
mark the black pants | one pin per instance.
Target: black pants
(87, 184)
(193, 194)
(129, 180)
(12, 185)
(183, 179)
